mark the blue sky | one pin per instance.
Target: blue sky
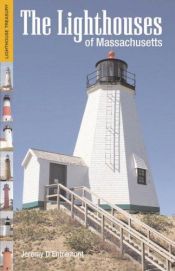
(50, 87)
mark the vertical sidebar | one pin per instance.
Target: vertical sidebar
(6, 135)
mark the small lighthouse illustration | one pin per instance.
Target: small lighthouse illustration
(6, 190)
(8, 135)
(6, 111)
(110, 140)
(5, 229)
(7, 169)
(7, 259)
(6, 142)
(7, 81)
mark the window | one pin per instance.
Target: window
(141, 176)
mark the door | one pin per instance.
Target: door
(58, 174)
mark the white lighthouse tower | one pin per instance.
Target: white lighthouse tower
(6, 143)
(110, 140)
(7, 86)
(8, 136)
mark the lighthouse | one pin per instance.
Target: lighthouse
(6, 143)
(7, 169)
(8, 136)
(7, 259)
(5, 229)
(6, 111)
(6, 190)
(110, 140)
(7, 86)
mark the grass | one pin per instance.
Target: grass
(158, 222)
(36, 230)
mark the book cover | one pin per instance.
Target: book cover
(87, 135)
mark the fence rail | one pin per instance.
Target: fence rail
(78, 202)
(132, 221)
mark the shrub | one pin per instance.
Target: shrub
(82, 240)
(158, 222)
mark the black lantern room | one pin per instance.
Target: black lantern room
(111, 71)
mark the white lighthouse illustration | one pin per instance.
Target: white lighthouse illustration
(5, 227)
(7, 86)
(110, 140)
(6, 143)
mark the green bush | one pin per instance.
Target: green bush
(82, 240)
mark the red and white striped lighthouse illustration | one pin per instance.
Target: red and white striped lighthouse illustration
(7, 86)
(6, 111)
(7, 259)
(6, 190)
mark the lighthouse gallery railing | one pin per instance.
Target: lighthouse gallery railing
(125, 77)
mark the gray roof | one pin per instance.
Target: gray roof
(59, 158)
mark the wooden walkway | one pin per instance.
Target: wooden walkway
(145, 245)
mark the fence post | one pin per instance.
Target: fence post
(121, 241)
(168, 265)
(170, 248)
(83, 196)
(112, 213)
(58, 197)
(149, 233)
(72, 205)
(102, 226)
(45, 198)
(85, 215)
(83, 193)
(98, 204)
(129, 224)
(143, 256)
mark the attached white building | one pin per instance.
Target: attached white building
(42, 168)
